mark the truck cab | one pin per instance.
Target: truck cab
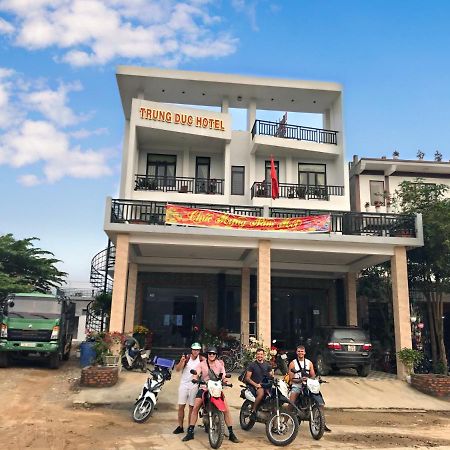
(36, 325)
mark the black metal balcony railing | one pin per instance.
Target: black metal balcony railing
(345, 222)
(356, 223)
(297, 132)
(301, 191)
(179, 184)
(154, 213)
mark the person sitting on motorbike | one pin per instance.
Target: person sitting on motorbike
(132, 346)
(304, 369)
(187, 390)
(257, 371)
(212, 366)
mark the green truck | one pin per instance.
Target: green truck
(36, 325)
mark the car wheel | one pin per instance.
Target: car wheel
(363, 371)
(322, 368)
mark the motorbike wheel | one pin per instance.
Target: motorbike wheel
(284, 432)
(316, 422)
(143, 410)
(217, 430)
(125, 364)
(229, 363)
(244, 416)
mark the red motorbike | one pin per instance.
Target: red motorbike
(213, 408)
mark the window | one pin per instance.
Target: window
(268, 178)
(312, 174)
(376, 192)
(237, 180)
(162, 168)
(202, 173)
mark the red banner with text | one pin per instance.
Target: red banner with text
(182, 215)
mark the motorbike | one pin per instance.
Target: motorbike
(309, 405)
(281, 424)
(134, 357)
(278, 359)
(213, 407)
(146, 402)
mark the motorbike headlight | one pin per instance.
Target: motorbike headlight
(55, 333)
(4, 330)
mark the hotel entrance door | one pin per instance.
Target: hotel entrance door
(171, 315)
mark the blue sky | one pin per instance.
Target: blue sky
(61, 120)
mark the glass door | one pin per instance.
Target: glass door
(202, 174)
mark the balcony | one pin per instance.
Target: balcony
(343, 222)
(300, 191)
(179, 184)
(296, 132)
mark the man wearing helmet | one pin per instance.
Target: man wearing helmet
(187, 390)
(211, 367)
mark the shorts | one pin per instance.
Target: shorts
(186, 394)
(296, 388)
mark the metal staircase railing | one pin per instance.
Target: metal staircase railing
(101, 263)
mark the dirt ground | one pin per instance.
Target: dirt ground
(37, 413)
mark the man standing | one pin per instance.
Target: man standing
(187, 389)
(256, 372)
(211, 367)
(304, 369)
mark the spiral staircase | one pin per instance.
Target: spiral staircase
(102, 281)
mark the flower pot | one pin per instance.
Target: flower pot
(110, 360)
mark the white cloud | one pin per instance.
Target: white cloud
(97, 32)
(5, 27)
(52, 104)
(29, 180)
(38, 134)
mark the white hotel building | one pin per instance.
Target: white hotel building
(275, 284)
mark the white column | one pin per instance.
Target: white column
(263, 313)
(251, 115)
(400, 297)
(120, 283)
(131, 298)
(350, 294)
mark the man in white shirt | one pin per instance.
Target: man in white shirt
(187, 389)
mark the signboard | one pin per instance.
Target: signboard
(190, 120)
(182, 215)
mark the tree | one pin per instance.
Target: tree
(26, 268)
(429, 266)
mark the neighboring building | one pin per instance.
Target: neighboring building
(278, 284)
(375, 180)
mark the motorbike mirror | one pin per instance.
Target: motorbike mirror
(193, 372)
(228, 375)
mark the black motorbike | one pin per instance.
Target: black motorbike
(134, 357)
(281, 424)
(310, 404)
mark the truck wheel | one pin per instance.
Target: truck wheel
(3, 359)
(54, 361)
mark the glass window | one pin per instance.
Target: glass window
(376, 192)
(312, 174)
(202, 173)
(162, 167)
(267, 171)
(237, 180)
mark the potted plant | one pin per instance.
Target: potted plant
(409, 358)
(377, 204)
(107, 346)
(367, 206)
(141, 333)
(395, 154)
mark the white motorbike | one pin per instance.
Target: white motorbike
(146, 402)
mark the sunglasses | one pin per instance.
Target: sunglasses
(212, 353)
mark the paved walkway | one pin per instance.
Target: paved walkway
(346, 390)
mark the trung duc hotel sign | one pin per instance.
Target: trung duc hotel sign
(190, 120)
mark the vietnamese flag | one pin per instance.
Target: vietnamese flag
(274, 179)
